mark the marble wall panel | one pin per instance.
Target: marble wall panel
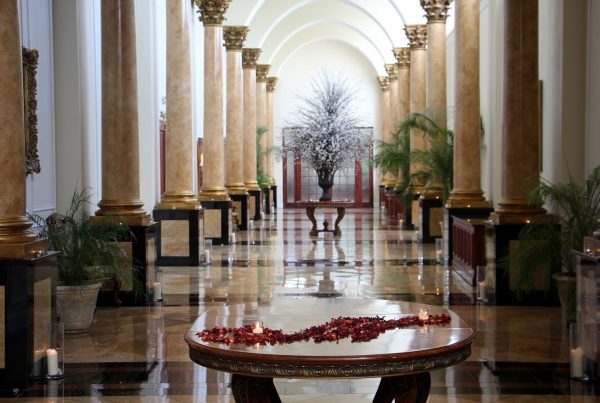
(174, 238)
(212, 223)
(436, 215)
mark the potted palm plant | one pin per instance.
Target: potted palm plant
(577, 210)
(89, 255)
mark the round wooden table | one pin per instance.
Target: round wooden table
(402, 358)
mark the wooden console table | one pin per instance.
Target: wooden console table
(311, 206)
(402, 358)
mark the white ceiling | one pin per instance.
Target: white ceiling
(282, 27)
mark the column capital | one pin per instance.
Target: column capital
(262, 71)
(234, 37)
(402, 57)
(249, 57)
(271, 82)
(392, 71)
(212, 12)
(436, 10)
(417, 35)
(383, 83)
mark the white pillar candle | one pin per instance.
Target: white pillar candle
(52, 360)
(157, 290)
(423, 314)
(577, 362)
(207, 255)
(233, 237)
(257, 329)
(482, 290)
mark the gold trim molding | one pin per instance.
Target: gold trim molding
(262, 71)
(271, 83)
(30, 63)
(383, 83)
(402, 56)
(392, 71)
(212, 12)
(436, 10)
(249, 57)
(234, 37)
(417, 36)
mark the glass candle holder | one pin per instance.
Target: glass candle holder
(55, 355)
(577, 356)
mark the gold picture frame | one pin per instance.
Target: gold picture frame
(30, 63)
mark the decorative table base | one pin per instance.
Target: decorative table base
(404, 388)
(341, 212)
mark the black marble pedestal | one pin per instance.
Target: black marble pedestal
(499, 239)
(274, 197)
(140, 245)
(27, 316)
(240, 204)
(254, 204)
(267, 196)
(217, 221)
(179, 236)
(430, 216)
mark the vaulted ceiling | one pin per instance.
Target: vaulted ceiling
(282, 27)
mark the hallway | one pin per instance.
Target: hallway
(520, 354)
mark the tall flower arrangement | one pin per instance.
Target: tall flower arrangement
(327, 135)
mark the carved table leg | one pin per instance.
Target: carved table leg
(310, 213)
(341, 213)
(423, 386)
(247, 389)
(403, 389)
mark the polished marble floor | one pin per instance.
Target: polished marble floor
(520, 354)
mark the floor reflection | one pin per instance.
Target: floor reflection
(137, 353)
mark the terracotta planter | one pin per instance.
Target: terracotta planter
(76, 306)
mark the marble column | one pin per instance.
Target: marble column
(179, 150)
(212, 14)
(271, 83)
(15, 235)
(386, 132)
(120, 137)
(417, 37)
(466, 191)
(249, 58)
(403, 62)
(520, 134)
(436, 12)
(392, 72)
(234, 39)
(262, 71)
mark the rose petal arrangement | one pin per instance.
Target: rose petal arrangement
(359, 329)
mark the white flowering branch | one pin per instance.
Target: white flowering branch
(327, 135)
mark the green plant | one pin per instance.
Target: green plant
(89, 250)
(577, 210)
(263, 179)
(437, 160)
(394, 157)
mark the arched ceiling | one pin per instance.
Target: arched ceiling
(282, 27)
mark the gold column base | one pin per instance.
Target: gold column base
(17, 241)
(215, 193)
(252, 185)
(128, 211)
(468, 199)
(237, 188)
(179, 200)
(517, 212)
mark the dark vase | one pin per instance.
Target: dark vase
(325, 182)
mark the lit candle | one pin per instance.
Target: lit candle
(423, 314)
(233, 238)
(482, 290)
(577, 362)
(438, 256)
(52, 360)
(207, 255)
(157, 290)
(257, 329)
